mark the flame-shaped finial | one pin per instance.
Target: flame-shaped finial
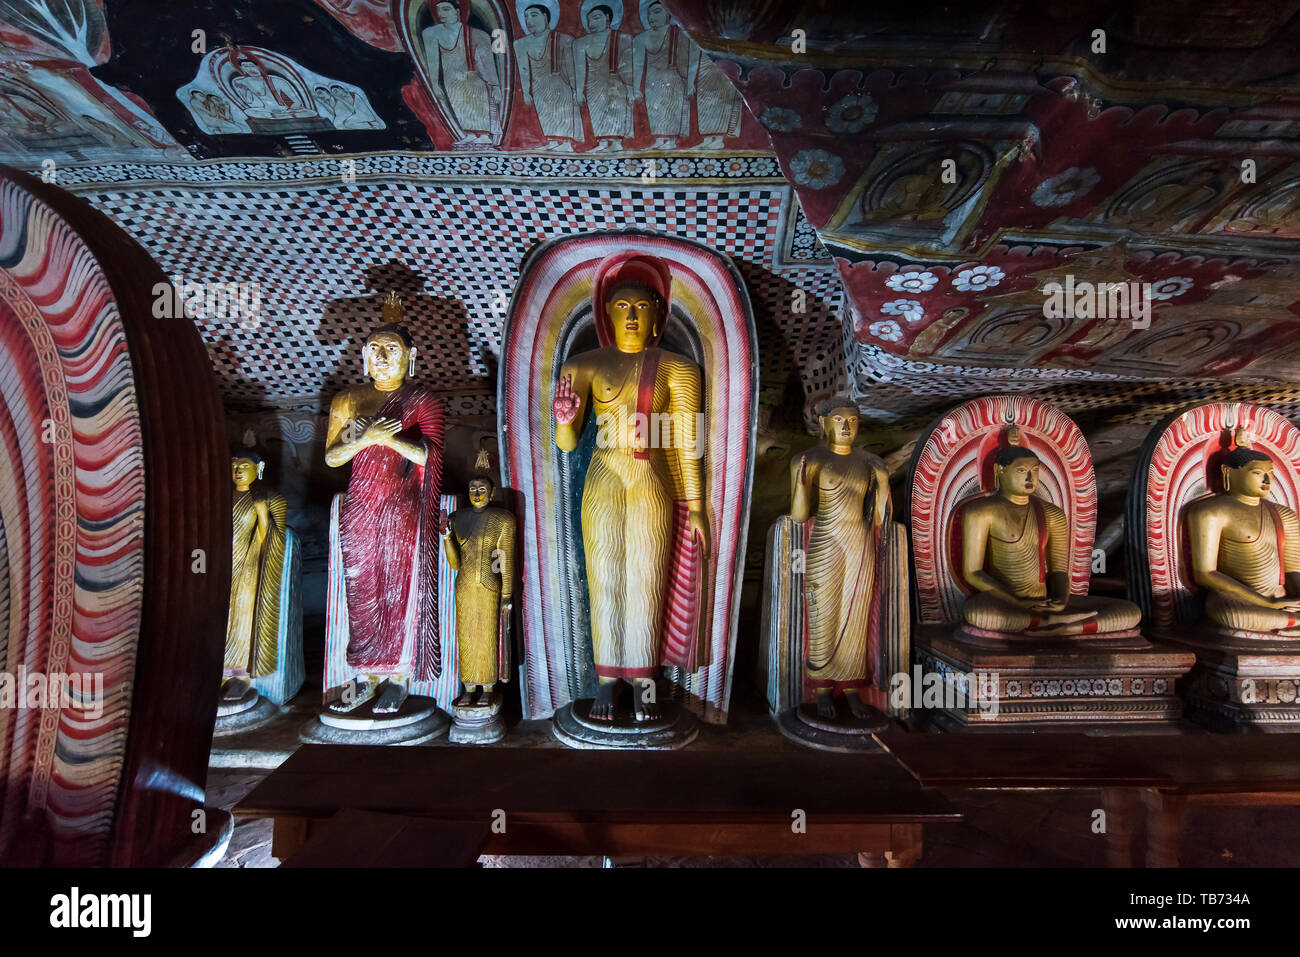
(483, 462)
(393, 311)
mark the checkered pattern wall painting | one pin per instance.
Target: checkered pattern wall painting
(323, 255)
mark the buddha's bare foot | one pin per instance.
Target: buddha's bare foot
(825, 703)
(355, 696)
(602, 709)
(465, 700)
(391, 696)
(859, 708)
(234, 689)
(645, 707)
(711, 143)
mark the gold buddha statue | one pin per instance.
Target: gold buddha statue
(480, 546)
(1015, 552)
(391, 431)
(847, 491)
(258, 520)
(646, 464)
(1246, 549)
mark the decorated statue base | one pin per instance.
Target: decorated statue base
(1051, 682)
(417, 720)
(844, 732)
(675, 728)
(250, 710)
(478, 723)
(1243, 684)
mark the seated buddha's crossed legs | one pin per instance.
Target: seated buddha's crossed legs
(1241, 616)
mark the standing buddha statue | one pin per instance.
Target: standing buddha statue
(258, 520)
(846, 491)
(391, 430)
(645, 531)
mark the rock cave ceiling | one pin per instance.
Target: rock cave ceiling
(899, 186)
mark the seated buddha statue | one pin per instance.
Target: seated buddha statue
(1246, 549)
(1015, 549)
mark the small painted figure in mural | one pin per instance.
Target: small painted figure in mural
(717, 101)
(259, 548)
(24, 115)
(603, 61)
(546, 78)
(1168, 205)
(660, 64)
(215, 110)
(915, 197)
(263, 94)
(464, 76)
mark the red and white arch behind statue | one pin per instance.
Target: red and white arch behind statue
(79, 560)
(955, 461)
(1179, 464)
(550, 305)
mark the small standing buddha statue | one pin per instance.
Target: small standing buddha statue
(258, 520)
(479, 543)
(847, 491)
(1245, 549)
(1015, 549)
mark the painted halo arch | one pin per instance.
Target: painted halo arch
(549, 319)
(954, 462)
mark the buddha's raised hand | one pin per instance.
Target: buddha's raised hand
(566, 402)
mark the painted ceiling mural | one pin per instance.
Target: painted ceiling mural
(323, 152)
(976, 172)
(903, 187)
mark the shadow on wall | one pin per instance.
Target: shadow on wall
(439, 325)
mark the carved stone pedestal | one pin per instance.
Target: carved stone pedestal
(416, 721)
(1243, 685)
(843, 733)
(675, 729)
(249, 711)
(1047, 683)
(478, 723)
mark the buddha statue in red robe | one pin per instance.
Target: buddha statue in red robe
(391, 430)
